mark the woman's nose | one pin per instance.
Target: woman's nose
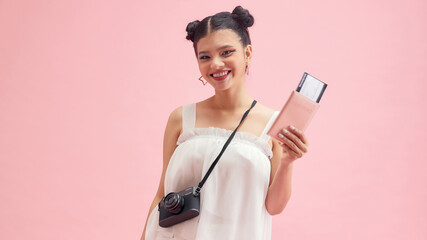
(217, 63)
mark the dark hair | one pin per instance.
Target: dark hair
(239, 20)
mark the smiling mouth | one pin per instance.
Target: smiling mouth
(220, 74)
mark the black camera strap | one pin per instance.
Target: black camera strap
(199, 187)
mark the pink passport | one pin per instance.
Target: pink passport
(297, 111)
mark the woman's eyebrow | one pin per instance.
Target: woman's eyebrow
(220, 48)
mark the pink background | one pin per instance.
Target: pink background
(86, 88)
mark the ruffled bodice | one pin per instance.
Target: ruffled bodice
(232, 201)
(244, 137)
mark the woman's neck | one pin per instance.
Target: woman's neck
(232, 99)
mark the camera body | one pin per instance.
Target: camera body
(178, 207)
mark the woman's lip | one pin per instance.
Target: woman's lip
(220, 72)
(222, 77)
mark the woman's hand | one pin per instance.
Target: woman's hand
(293, 143)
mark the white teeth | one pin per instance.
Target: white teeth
(220, 74)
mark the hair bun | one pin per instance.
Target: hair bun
(242, 16)
(191, 29)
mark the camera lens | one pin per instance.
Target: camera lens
(173, 202)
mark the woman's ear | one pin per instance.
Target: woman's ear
(248, 53)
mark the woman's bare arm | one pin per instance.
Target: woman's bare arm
(172, 131)
(293, 146)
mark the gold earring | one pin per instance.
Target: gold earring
(204, 83)
(247, 69)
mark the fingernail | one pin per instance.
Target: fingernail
(292, 127)
(280, 135)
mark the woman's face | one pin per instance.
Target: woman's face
(222, 58)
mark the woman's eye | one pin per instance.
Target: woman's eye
(228, 52)
(203, 57)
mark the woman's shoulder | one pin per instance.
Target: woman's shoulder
(176, 114)
(174, 123)
(265, 111)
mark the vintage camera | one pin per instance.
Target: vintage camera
(178, 207)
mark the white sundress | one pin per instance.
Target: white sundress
(232, 200)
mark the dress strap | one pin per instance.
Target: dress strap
(188, 116)
(268, 126)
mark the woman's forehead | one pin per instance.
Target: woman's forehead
(217, 39)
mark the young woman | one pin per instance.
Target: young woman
(252, 180)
